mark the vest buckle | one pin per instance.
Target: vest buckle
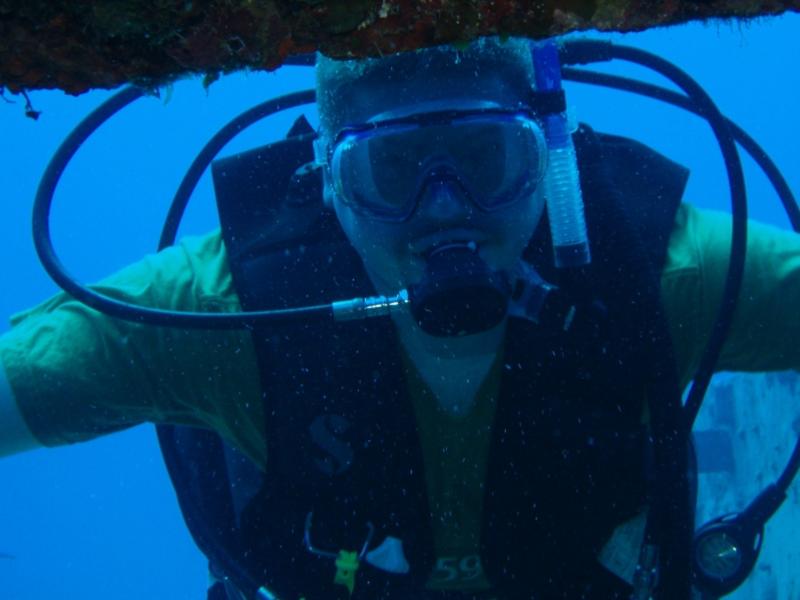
(346, 561)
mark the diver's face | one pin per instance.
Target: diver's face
(394, 253)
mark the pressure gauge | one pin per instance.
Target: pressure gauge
(724, 553)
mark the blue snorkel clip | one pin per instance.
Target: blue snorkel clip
(562, 183)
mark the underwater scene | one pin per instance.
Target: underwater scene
(100, 519)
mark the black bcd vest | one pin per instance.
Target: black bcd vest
(568, 456)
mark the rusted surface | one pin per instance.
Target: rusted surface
(78, 45)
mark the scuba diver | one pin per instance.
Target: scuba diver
(482, 396)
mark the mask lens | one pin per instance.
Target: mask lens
(510, 164)
(496, 157)
(395, 163)
(374, 174)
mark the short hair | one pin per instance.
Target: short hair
(509, 58)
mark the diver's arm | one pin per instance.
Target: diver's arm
(76, 374)
(15, 436)
(765, 328)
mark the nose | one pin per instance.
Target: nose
(443, 200)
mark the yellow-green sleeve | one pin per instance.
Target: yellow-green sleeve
(766, 328)
(77, 374)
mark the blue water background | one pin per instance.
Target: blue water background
(99, 520)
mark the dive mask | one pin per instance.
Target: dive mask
(382, 168)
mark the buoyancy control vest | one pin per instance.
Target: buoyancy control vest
(568, 458)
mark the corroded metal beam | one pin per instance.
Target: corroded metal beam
(82, 44)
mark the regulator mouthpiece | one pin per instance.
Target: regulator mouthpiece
(459, 294)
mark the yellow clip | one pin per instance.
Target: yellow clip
(346, 567)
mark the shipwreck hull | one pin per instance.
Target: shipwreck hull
(77, 46)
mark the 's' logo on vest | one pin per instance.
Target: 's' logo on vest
(325, 431)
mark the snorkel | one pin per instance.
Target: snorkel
(562, 185)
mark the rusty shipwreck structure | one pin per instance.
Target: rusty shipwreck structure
(84, 44)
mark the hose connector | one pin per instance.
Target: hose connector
(372, 306)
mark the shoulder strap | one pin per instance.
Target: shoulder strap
(649, 184)
(273, 221)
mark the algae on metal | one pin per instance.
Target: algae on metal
(76, 46)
